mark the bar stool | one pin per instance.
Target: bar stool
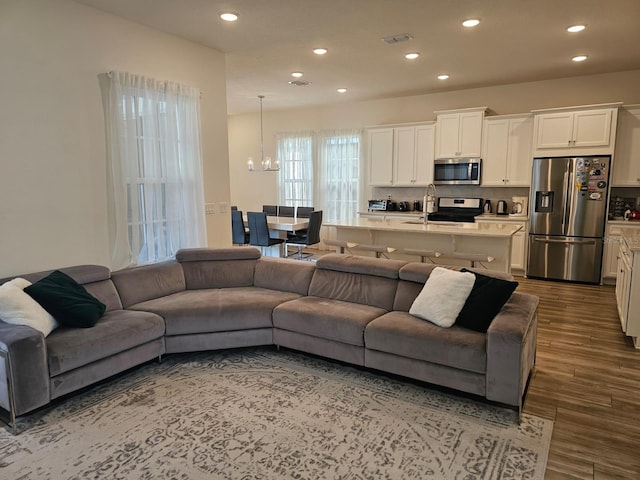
(475, 258)
(379, 250)
(340, 244)
(423, 254)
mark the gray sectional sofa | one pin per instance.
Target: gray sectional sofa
(352, 309)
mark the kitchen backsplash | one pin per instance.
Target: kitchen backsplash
(621, 197)
(409, 194)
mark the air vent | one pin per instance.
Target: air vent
(399, 38)
(299, 83)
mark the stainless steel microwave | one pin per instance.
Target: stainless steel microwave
(457, 171)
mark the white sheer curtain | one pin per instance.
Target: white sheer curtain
(155, 169)
(295, 180)
(338, 176)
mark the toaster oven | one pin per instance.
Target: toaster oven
(378, 205)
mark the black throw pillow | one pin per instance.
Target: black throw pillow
(487, 297)
(66, 300)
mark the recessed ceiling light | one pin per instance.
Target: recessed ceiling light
(296, 74)
(320, 51)
(443, 76)
(472, 22)
(229, 17)
(575, 28)
(341, 90)
(412, 55)
(579, 58)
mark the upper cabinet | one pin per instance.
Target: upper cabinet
(588, 130)
(506, 150)
(401, 156)
(459, 132)
(380, 152)
(626, 164)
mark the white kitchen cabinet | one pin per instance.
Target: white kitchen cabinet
(626, 163)
(628, 284)
(506, 150)
(425, 152)
(611, 248)
(401, 156)
(404, 153)
(380, 152)
(613, 233)
(575, 130)
(518, 241)
(459, 133)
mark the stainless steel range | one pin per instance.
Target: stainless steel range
(456, 209)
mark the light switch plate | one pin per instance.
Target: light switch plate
(209, 208)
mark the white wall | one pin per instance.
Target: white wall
(251, 190)
(53, 209)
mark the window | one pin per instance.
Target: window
(339, 174)
(155, 169)
(295, 155)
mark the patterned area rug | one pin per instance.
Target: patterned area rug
(262, 414)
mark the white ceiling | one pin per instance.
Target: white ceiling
(517, 41)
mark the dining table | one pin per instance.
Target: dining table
(279, 227)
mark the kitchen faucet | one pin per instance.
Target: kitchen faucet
(429, 201)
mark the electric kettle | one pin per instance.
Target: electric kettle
(487, 208)
(501, 208)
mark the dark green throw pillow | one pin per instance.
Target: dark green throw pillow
(487, 297)
(66, 300)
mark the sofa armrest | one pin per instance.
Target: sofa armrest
(24, 372)
(511, 349)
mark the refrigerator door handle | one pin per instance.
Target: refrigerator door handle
(565, 198)
(566, 241)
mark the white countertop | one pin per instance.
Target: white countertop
(625, 223)
(506, 229)
(632, 237)
(503, 218)
(418, 214)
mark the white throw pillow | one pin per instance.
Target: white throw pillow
(21, 283)
(19, 308)
(443, 296)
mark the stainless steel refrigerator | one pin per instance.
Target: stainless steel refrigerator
(568, 213)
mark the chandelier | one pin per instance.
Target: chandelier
(266, 163)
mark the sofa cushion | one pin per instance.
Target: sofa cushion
(364, 265)
(218, 267)
(284, 275)
(140, 284)
(68, 301)
(443, 296)
(354, 287)
(185, 255)
(115, 332)
(403, 334)
(326, 318)
(488, 296)
(216, 310)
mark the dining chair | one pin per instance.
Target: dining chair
(259, 230)
(304, 212)
(310, 237)
(284, 211)
(271, 210)
(234, 208)
(238, 230)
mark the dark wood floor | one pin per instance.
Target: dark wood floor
(587, 380)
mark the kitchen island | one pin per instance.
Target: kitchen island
(452, 240)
